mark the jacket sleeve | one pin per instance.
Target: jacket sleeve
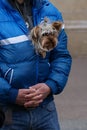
(60, 65)
(7, 94)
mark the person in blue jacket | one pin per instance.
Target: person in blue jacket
(28, 82)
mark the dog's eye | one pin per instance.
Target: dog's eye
(47, 33)
(43, 34)
(54, 28)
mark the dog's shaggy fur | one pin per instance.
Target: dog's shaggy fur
(45, 36)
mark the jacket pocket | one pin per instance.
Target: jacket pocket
(7, 73)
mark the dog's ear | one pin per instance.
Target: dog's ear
(57, 25)
(35, 33)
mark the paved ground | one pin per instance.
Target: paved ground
(72, 103)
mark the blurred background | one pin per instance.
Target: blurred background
(72, 102)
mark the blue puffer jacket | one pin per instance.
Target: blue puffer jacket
(20, 67)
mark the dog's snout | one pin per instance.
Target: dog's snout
(45, 34)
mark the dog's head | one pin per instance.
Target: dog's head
(45, 35)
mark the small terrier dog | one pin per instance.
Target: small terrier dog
(45, 36)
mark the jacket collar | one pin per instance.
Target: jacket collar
(36, 3)
(39, 3)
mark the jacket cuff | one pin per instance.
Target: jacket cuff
(12, 95)
(53, 86)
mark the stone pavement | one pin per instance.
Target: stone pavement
(72, 102)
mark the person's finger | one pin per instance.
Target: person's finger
(32, 103)
(30, 90)
(32, 95)
(37, 97)
(37, 86)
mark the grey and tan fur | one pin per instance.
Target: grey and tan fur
(45, 36)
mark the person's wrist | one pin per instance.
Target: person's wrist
(48, 89)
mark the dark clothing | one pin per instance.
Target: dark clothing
(2, 118)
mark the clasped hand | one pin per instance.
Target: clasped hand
(33, 96)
